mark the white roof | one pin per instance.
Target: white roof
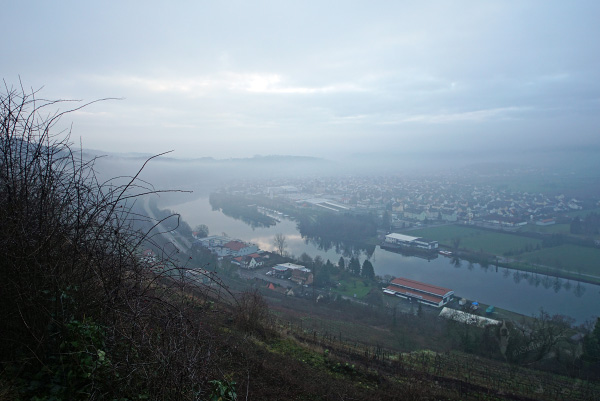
(467, 318)
(291, 266)
(402, 237)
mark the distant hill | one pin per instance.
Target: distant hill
(202, 175)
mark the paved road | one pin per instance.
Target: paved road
(260, 273)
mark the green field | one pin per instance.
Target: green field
(552, 229)
(445, 234)
(351, 286)
(498, 243)
(572, 258)
(477, 240)
(583, 213)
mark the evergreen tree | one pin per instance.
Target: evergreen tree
(342, 263)
(591, 345)
(306, 260)
(367, 270)
(354, 266)
(386, 220)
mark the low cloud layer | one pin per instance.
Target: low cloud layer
(237, 79)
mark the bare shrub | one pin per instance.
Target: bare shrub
(82, 317)
(252, 313)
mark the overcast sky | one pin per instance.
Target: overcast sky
(237, 79)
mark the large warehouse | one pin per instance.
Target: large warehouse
(407, 240)
(425, 293)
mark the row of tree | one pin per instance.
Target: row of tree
(340, 227)
(367, 271)
(323, 271)
(590, 225)
(238, 208)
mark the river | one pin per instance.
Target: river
(521, 292)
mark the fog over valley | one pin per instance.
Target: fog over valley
(276, 200)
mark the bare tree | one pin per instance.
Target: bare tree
(280, 243)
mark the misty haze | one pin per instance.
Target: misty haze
(271, 200)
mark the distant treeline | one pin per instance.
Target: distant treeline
(338, 227)
(238, 208)
(345, 248)
(590, 225)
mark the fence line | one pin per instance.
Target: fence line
(463, 372)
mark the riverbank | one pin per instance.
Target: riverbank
(493, 260)
(513, 264)
(532, 252)
(497, 314)
(476, 281)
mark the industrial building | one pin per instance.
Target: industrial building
(407, 240)
(421, 292)
(297, 273)
(281, 268)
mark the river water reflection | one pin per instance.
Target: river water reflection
(518, 291)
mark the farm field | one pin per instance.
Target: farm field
(573, 258)
(445, 234)
(552, 229)
(477, 240)
(498, 243)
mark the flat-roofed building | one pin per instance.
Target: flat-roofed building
(422, 292)
(407, 240)
(282, 269)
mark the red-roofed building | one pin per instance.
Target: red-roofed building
(302, 277)
(235, 245)
(251, 261)
(235, 249)
(415, 290)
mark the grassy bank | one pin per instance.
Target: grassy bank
(568, 261)
(478, 240)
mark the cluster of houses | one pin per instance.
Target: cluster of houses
(243, 254)
(441, 199)
(249, 256)
(488, 206)
(296, 273)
